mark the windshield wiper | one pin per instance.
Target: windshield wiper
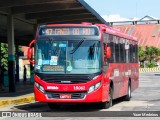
(78, 45)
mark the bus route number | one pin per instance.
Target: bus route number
(79, 87)
(49, 31)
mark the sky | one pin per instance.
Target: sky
(126, 8)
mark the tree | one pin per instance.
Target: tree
(155, 53)
(152, 54)
(141, 52)
(149, 54)
(4, 55)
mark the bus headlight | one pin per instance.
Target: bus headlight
(91, 89)
(40, 88)
(94, 87)
(37, 85)
(97, 85)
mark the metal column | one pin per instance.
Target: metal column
(11, 57)
(0, 55)
(17, 64)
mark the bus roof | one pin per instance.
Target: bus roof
(103, 27)
(110, 30)
(82, 24)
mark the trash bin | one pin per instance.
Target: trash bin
(6, 80)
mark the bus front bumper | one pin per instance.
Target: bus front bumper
(78, 97)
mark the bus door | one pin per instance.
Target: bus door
(122, 66)
(127, 65)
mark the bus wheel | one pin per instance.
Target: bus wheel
(108, 104)
(53, 105)
(128, 96)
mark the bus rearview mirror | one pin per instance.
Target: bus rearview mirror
(30, 52)
(108, 52)
(29, 55)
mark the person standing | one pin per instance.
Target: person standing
(24, 74)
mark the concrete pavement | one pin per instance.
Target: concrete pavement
(145, 95)
(23, 94)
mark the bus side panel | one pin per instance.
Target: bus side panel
(123, 80)
(106, 83)
(127, 70)
(115, 72)
(120, 74)
(134, 75)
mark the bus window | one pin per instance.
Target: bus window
(122, 50)
(135, 52)
(117, 49)
(111, 43)
(131, 52)
(127, 51)
(104, 49)
(136, 47)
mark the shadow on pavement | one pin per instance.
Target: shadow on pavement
(21, 89)
(43, 107)
(81, 107)
(157, 74)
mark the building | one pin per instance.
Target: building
(146, 29)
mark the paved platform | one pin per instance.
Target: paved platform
(23, 94)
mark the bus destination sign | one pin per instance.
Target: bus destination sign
(68, 31)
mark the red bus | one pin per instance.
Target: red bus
(83, 63)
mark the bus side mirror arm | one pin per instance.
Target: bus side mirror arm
(29, 55)
(108, 52)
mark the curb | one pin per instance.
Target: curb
(143, 70)
(17, 101)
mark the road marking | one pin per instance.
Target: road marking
(17, 101)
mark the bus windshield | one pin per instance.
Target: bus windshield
(68, 57)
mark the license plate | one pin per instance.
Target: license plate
(65, 96)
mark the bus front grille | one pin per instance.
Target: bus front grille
(77, 95)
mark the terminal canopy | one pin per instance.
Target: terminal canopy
(30, 13)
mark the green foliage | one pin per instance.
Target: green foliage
(151, 64)
(141, 54)
(20, 48)
(4, 54)
(149, 54)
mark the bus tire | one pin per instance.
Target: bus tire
(105, 105)
(128, 96)
(52, 105)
